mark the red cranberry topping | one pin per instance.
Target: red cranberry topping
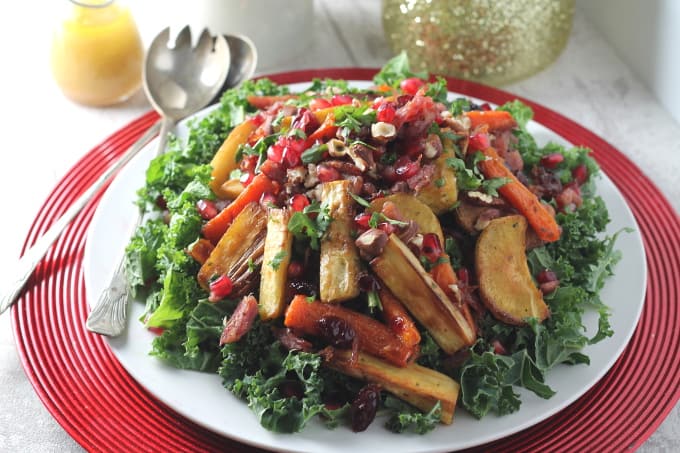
(545, 276)
(364, 407)
(386, 112)
(551, 161)
(326, 173)
(206, 209)
(298, 202)
(432, 248)
(411, 85)
(479, 141)
(220, 288)
(580, 174)
(336, 332)
(319, 103)
(341, 99)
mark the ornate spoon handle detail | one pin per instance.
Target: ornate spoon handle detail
(34, 255)
(109, 315)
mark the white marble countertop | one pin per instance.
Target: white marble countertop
(45, 134)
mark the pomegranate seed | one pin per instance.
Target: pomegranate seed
(327, 174)
(580, 174)
(464, 275)
(404, 167)
(486, 107)
(545, 276)
(295, 269)
(387, 227)
(156, 330)
(362, 220)
(293, 151)
(479, 141)
(206, 209)
(267, 199)
(257, 120)
(299, 202)
(551, 161)
(432, 248)
(386, 113)
(341, 99)
(275, 152)
(220, 288)
(319, 103)
(246, 178)
(411, 85)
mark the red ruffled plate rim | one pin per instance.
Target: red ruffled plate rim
(92, 397)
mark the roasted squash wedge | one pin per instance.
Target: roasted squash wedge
(411, 208)
(505, 283)
(224, 160)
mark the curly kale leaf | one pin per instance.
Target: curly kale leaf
(407, 418)
(395, 70)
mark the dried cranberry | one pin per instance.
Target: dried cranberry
(298, 202)
(206, 209)
(485, 107)
(386, 112)
(341, 99)
(464, 275)
(411, 85)
(364, 407)
(336, 332)
(327, 174)
(551, 161)
(319, 104)
(220, 288)
(432, 248)
(368, 283)
(479, 141)
(295, 269)
(580, 174)
(545, 276)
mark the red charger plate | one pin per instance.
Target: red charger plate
(93, 398)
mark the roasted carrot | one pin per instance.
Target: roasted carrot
(495, 119)
(444, 275)
(200, 250)
(397, 318)
(373, 337)
(325, 132)
(520, 197)
(215, 228)
(264, 102)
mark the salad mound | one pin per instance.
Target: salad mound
(389, 251)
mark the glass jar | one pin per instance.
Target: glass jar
(97, 54)
(489, 41)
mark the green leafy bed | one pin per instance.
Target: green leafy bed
(257, 370)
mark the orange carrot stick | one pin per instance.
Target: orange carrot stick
(495, 119)
(398, 320)
(374, 337)
(264, 102)
(520, 197)
(215, 228)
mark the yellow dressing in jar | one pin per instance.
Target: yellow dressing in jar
(97, 53)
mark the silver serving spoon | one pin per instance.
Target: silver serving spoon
(243, 60)
(178, 81)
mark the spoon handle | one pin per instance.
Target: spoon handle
(28, 262)
(109, 314)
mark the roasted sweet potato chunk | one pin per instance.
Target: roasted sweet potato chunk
(505, 284)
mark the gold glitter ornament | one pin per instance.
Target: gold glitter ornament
(491, 41)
